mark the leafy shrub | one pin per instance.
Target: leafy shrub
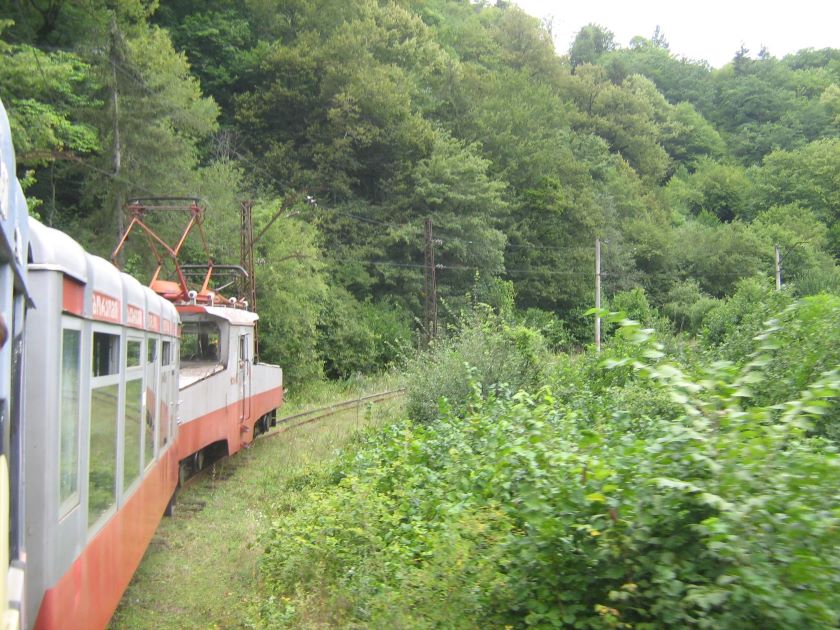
(686, 306)
(730, 326)
(361, 337)
(803, 343)
(535, 511)
(486, 350)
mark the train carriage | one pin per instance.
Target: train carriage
(101, 430)
(99, 417)
(227, 396)
(14, 246)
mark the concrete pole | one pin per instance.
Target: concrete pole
(778, 268)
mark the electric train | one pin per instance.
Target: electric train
(111, 392)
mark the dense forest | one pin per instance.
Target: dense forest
(685, 477)
(360, 120)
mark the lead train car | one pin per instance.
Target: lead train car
(227, 398)
(101, 454)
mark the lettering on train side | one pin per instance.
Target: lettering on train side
(105, 308)
(134, 316)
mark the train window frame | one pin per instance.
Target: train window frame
(204, 341)
(132, 373)
(152, 362)
(101, 381)
(168, 373)
(69, 503)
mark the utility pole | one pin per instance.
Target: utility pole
(598, 294)
(778, 268)
(246, 252)
(246, 259)
(119, 195)
(430, 285)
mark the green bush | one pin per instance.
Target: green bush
(533, 511)
(686, 306)
(485, 350)
(730, 326)
(804, 343)
(361, 337)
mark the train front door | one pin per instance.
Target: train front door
(244, 377)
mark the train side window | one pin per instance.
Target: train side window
(133, 354)
(106, 354)
(104, 414)
(164, 395)
(102, 464)
(133, 413)
(133, 433)
(151, 400)
(71, 357)
(243, 347)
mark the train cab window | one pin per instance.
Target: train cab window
(200, 342)
(166, 355)
(104, 410)
(106, 354)
(71, 358)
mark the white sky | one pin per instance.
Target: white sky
(703, 29)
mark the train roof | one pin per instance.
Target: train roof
(236, 316)
(94, 288)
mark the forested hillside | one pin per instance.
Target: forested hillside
(387, 113)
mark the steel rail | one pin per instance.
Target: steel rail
(283, 426)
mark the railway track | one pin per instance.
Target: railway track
(305, 417)
(300, 419)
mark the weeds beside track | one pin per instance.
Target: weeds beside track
(200, 570)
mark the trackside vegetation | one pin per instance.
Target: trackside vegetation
(639, 488)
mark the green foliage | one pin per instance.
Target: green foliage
(46, 95)
(536, 510)
(720, 189)
(484, 352)
(687, 306)
(291, 292)
(801, 344)
(719, 255)
(730, 326)
(809, 176)
(361, 338)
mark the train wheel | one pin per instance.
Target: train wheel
(198, 461)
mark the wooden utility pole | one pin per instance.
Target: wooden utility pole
(246, 258)
(119, 196)
(778, 268)
(598, 294)
(430, 285)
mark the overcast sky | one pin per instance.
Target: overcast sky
(703, 29)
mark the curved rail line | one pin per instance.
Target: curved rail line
(325, 412)
(300, 419)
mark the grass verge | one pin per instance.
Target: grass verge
(201, 568)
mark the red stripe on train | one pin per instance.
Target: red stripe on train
(88, 594)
